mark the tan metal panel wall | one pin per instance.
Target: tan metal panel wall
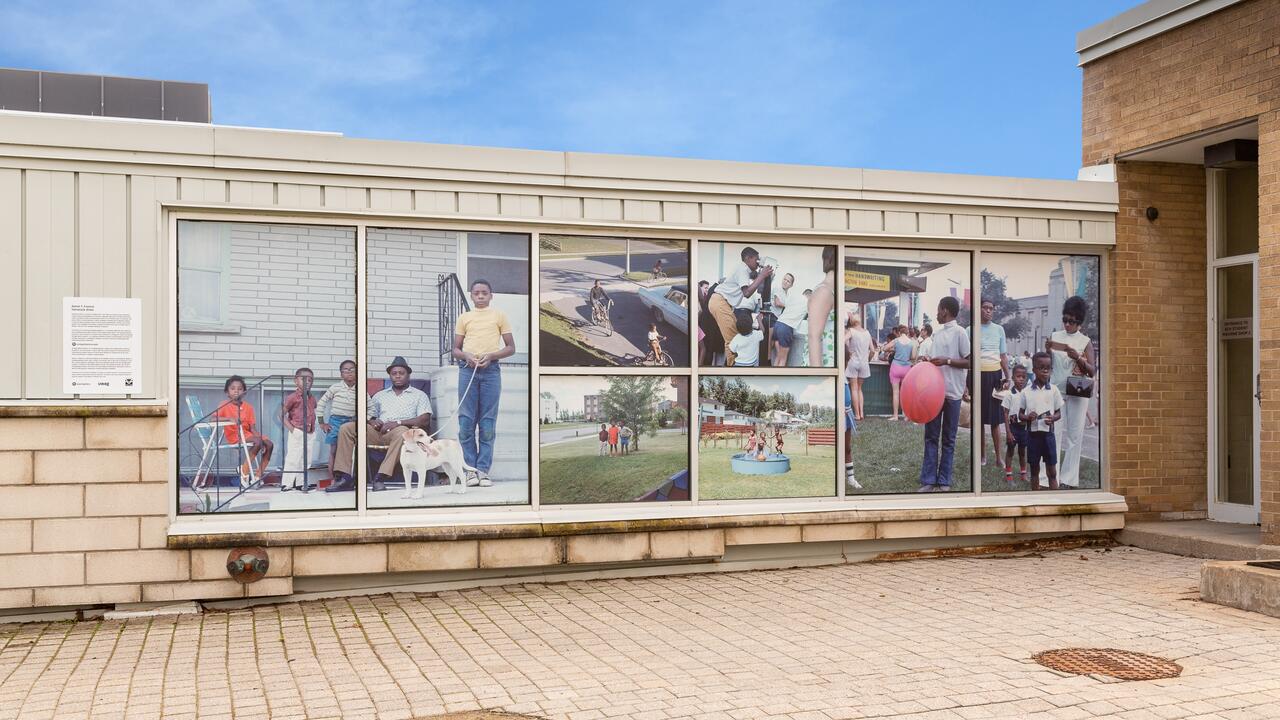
(149, 275)
(50, 275)
(102, 234)
(103, 245)
(11, 283)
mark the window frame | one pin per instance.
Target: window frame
(221, 325)
(372, 518)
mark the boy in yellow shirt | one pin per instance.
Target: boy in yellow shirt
(482, 337)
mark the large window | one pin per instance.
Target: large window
(812, 372)
(266, 327)
(766, 305)
(1040, 359)
(907, 359)
(448, 376)
(612, 439)
(610, 302)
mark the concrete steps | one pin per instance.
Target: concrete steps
(1200, 539)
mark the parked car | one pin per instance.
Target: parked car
(669, 304)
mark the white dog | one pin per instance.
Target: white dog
(421, 453)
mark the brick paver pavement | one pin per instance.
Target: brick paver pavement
(929, 640)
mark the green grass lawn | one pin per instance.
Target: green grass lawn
(574, 472)
(811, 475)
(993, 473)
(887, 457)
(562, 343)
(581, 246)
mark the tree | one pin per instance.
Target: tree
(1090, 326)
(1006, 308)
(890, 316)
(681, 417)
(631, 400)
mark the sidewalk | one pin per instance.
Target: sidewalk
(929, 640)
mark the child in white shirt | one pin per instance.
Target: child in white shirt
(746, 344)
(1041, 408)
(1012, 405)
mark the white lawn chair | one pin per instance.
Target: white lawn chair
(211, 433)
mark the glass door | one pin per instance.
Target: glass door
(1235, 396)
(1234, 495)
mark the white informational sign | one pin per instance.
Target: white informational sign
(1240, 328)
(101, 345)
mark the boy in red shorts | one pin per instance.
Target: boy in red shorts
(243, 430)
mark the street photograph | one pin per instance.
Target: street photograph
(607, 302)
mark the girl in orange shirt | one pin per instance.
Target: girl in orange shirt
(243, 429)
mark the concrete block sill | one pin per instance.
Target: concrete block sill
(203, 532)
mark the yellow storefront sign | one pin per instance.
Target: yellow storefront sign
(865, 280)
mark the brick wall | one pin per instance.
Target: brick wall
(1220, 69)
(1211, 72)
(1269, 315)
(1158, 377)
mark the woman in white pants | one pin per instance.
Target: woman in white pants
(1072, 356)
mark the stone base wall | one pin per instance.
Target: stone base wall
(83, 521)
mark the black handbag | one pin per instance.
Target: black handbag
(1078, 386)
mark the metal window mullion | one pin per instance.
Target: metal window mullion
(837, 339)
(362, 367)
(535, 379)
(695, 373)
(975, 375)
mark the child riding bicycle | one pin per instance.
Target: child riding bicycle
(658, 272)
(600, 300)
(655, 342)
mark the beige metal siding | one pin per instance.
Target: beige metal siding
(11, 250)
(81, 200)
(50, 275)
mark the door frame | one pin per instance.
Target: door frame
(1224, 511)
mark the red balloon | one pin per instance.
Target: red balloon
(922, 392)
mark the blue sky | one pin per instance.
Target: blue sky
(986, 86)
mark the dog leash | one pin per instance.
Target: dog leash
(462, 397)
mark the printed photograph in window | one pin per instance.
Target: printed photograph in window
(764, 305)
(766, 436)
(447, 393)
(1039, 356)
(266, 358)
(613, 301)
(907, 353)
(613, 439)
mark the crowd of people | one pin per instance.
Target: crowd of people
(1017, 408)
(735, 319)
(482, 339)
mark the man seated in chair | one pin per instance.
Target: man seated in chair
(392, 412)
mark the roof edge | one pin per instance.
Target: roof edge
(1140, 23)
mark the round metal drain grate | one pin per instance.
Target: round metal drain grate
(1121, 664)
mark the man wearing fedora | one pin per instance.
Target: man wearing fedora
(392, 412)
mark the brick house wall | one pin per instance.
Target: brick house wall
(292, 302)
(1222, 68)
(1158, 374)
(403, 268)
